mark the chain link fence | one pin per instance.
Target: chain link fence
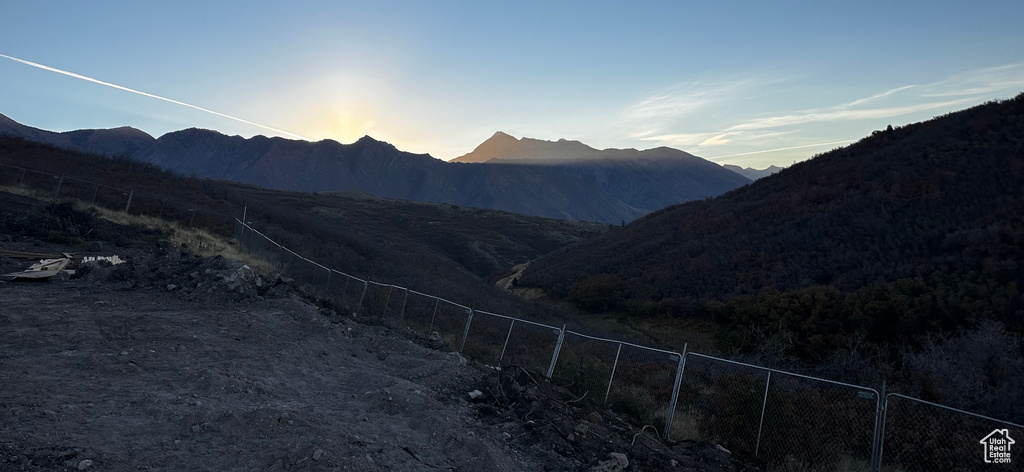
(787, 421)
(584, 365)
(127, 200)
(643, 384)
(530, 345)
(721, 401)
(816, 424)
(921, 436)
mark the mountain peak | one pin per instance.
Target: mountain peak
(503, 147)
(502, 135)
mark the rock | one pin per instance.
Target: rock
(171, 287)
(461, 360)
(195, 428)
(95, 246)
(476, 396)
(720, 448)
(506, 436)
(317, 453)
(68, 454)
(617, 462)
(571, 437)
(595, 418)
(673, 462)
(384, 355)
(84, 464)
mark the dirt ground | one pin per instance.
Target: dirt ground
(177, 362)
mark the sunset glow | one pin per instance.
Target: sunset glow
(771, 84)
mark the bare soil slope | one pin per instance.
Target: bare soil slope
(168, 362)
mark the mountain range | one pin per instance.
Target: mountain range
(751, 173)
(503, 148)
(575, 182)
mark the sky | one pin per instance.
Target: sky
(743, 82)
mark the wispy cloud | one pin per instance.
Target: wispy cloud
(150, 95)
(843, 113)
(790, 130)
(653, 114)
(988, 81)
(715, 138)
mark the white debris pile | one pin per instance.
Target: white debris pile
(113, 260)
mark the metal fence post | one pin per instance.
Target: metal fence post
(507, 336)
(94, 192)
(680, 368)
(401, 314)
(430, 328)
(129, 205)
(384, 314)
(327, 284)
(764, 406)
(56, 192)
(876, 447)
(612, 376)
(360, 304)
(465, 333)
(23, 171)
(558, 348)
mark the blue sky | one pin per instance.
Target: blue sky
(750, 83)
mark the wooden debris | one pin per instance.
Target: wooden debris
(43, 269)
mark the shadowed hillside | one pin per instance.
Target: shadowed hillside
(443, 248)
(910, 231)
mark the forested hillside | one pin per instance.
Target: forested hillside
(911, 230)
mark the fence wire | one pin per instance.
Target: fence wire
(811, 424)
(420, 310)
(720, 401)
(585, 364)
(485, 339)
(642, 383)
(530, 345)
(920, 436)
(61, 186)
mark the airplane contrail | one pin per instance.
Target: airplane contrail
(126, 89)
(783, 149)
